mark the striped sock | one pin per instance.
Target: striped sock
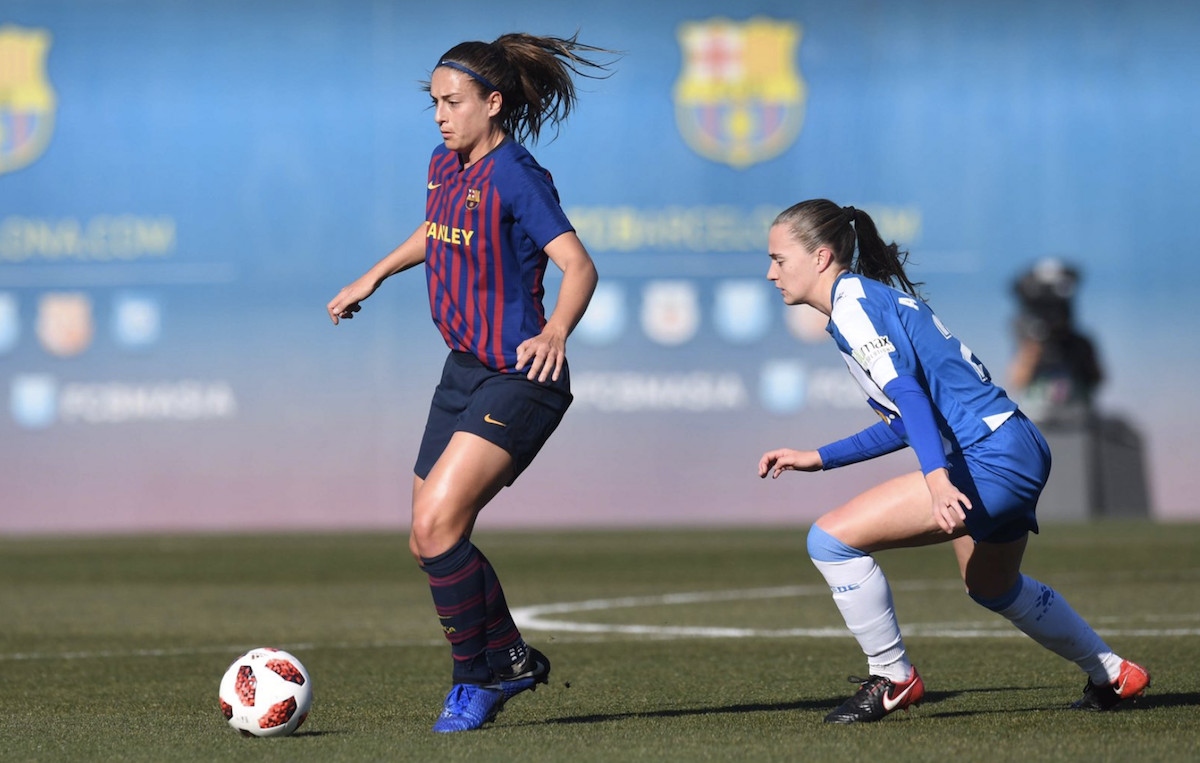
(505, 647)
(456, 579)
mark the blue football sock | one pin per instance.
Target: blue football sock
(456, 579)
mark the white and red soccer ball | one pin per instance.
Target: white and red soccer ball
(266, 693)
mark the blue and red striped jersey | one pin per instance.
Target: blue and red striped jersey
(485, 232)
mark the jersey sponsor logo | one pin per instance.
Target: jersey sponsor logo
(472, 198)
(27, 101)
(64, 323)
(487, 418)
(867, 354)
(448, 234)
(739, 99)
(432, 186)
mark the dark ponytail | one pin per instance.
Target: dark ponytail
(533, 74)
(820, 222)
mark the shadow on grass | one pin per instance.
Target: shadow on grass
(822, 705)
(1149, 702)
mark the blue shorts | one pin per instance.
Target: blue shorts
(1003, 474)
(507, 409)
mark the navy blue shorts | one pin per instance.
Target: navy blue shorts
(1003, 474)
(507, 409)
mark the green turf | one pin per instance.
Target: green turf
(112, 649)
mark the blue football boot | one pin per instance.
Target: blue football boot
(468, 707)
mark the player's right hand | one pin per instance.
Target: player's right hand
(776, 462)
(346, 303)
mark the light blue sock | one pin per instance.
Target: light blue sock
(1041, 613)
(864, 598)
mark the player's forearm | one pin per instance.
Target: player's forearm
(872, 442)
(578, 283)
(410, 253)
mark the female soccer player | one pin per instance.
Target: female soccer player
(983, 464)
(492, 221)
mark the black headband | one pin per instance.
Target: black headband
(478, 77)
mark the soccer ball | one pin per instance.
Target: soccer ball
(266, 693)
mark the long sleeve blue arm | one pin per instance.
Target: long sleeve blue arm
(875, 440)
(917, 413)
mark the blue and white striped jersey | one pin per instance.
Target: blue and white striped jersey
(884, 333)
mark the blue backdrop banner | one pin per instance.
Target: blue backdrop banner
(183, 186)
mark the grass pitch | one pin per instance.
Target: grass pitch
(112, 649)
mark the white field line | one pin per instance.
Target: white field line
(534, 619)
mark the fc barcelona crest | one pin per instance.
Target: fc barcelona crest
(739, 99)
(27, 102)
(472, 198)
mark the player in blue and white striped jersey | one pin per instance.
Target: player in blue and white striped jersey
(983, 464)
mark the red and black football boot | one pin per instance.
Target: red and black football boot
(878, 696)
(1132, 682)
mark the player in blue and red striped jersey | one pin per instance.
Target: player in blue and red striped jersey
(492, 225)
(983, 464)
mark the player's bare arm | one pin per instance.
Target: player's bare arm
(546, 352)
(407, 255)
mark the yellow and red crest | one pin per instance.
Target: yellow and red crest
(27, 102)
(739, 99)
(472, 198)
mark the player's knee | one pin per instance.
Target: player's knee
(431, 542)
(823, 547)
(435, 528)
(425, 536)
(998, 603)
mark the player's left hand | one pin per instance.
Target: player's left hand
(545, 354)
(776, 462)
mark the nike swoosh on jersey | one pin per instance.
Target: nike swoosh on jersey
(890, 703)
(487, 418)
(431, 186)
